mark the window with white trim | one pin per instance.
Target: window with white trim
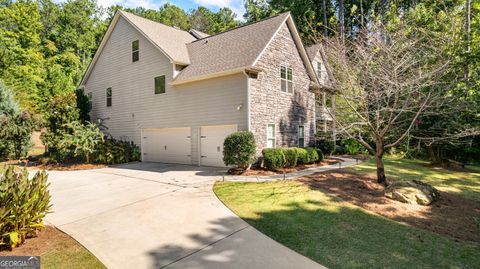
(286, 79)
(301, 136)
(135, 51)
(271, 136)
(109, 96)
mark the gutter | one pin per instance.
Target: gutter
(246, 69)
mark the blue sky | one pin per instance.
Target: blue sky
(235, 5)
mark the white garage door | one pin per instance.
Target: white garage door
(211, 146)
(167, 145)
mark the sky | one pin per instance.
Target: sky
(235, 5)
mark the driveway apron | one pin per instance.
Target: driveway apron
(152, 215)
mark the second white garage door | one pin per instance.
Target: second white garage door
(211, 145)
(167, 145)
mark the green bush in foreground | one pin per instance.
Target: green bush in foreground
(239, 149)
(24, 203)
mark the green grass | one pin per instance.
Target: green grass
(71, 257)
(466, 184)
(337, 234)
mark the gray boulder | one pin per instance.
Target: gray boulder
(412, 192)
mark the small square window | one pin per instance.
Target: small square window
(301, 136)
(286, 79)
(135, 51)
(109, 97)
(271, 136)
(159, 84)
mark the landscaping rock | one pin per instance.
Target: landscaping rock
(412, 192)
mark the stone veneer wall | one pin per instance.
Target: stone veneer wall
(268, 104)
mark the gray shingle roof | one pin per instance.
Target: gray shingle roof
(230, 50)
(170, 40)
(198, 34)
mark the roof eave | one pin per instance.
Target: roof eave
(217, 74)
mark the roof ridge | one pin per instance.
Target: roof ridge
(245, 25)
(133, 14)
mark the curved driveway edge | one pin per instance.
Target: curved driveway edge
(151, 215)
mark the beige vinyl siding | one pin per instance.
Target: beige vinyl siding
(135, 105)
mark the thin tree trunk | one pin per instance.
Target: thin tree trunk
(325, 22)
(341, 17)
(362, 16)
(466, 70)
(381, 178)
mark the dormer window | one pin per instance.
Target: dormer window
(135, 51)
(286, 76)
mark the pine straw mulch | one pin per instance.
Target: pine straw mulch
(47, 239)
(262, 171)
(451, 215)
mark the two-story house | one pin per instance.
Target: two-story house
(178, 94)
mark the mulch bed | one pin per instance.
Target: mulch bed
(260, 171)
(68, 166)
(36, 246)
(451, 215)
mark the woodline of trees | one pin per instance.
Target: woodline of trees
(45, 47)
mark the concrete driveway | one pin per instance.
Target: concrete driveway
(151, 215)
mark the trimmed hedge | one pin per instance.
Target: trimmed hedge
(239, 149)
(291, 157)
(276, 158)
(303, 157)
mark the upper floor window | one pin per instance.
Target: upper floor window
(301, 136)
(271, 136)
(319, 70)
(109, 96)
(160, 84)
(286, 75)
(135, 51)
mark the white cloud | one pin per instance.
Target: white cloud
(236, 6)
(149, 4)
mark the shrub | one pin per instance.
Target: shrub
(84, 106)
(24, 203)
(303, 156)
(112, 151)
(291, 157)
(312, 155)
(80, 140)
(353, 147)
(15, 126)
(325, 143)
(61, 112)
(239, 149)
(274, 158)
(15, 134)
(321, 157)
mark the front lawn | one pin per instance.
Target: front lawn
(56, 250)
(465, 183)
(340, 235)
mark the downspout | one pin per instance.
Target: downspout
(248, 101)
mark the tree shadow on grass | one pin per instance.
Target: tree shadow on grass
(452, 215)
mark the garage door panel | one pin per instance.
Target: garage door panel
(212, 138)
(169, 145)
